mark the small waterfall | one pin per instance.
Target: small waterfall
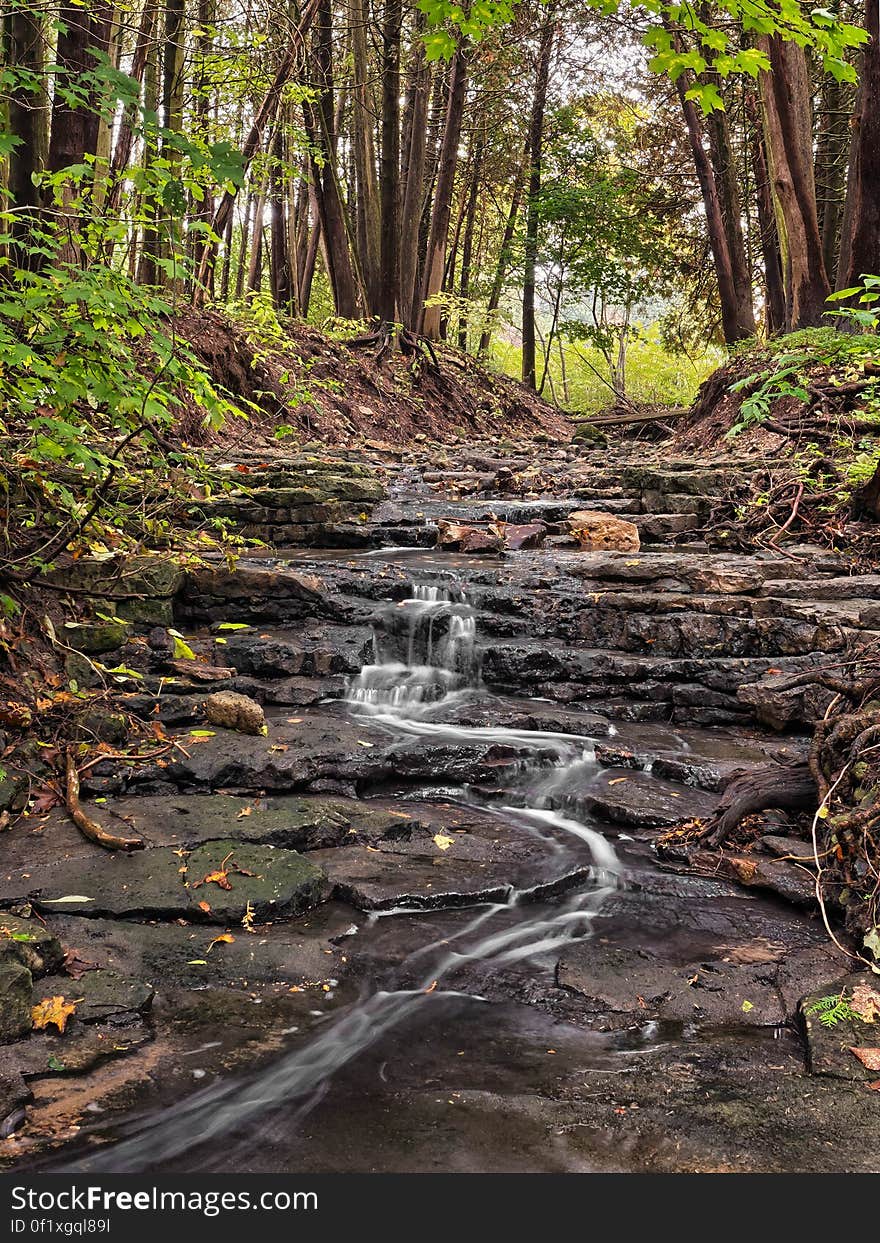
(424, 650)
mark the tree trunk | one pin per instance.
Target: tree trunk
(389, 174)
(503, 261)
(774, 291)
(320, 124)
(536, 138)
(435, 257)
(737, 317)
(172, 115)
(727, 183)
(363, 150)
(125, 138)
(788, 130)
(265, 114)
(467, 249)
(864, 256)
(415, 140)
(832, 149)
(28, 120)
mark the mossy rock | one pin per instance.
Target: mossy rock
(16, 985)
(95, 638)
(30, 944)
(121, 577)
(586, 432)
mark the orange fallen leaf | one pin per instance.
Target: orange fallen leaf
(431, 987)
(617, 780)
(204, 906)
(294, 720)
(226, 938)
(220, 877)
(245, 811)
(867, 1056)
(52, 1010)
(875, 1086)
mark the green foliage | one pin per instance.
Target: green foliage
(866, 315)
(832, 1010)
(784, 379)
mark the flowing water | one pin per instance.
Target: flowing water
(425, 663)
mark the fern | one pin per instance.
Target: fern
(832, 1010)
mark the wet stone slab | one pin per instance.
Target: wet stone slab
(170, 884)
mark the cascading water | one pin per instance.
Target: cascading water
(423, 651)
(425, 658)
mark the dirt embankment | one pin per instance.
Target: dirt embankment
(322, 389)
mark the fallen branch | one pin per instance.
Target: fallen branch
(776, 785)
(88, 827)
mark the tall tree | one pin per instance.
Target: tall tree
(536, 138)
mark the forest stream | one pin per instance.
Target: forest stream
(503, 974)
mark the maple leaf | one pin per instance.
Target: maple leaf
(52, 1010)
(867, 1056)
(220, 877)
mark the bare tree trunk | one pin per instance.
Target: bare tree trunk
(536, 138)
(737, 318)
(464, 284)
(435, 258)
(864, 248)
(788, 128)
(125, 138)
(364, 153)
(774, 292)
(28, 119)
(389, 176)
(503, 261)
(265, 114)
(832, 149)
(415, 139)
(727, 183)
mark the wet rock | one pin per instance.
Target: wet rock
(637, 800)
(596, 530)
(14, 1096)
(460, 856)
(526, 535)
(96, 638)
(101, 996)
(830, 1045)
(15, 999)
(150, 575)
(30, 943)
(297, 823)
(642, 982)
(230, 710)
(169, 884)
(272, 884)
(790, 881)
(461, 538)
(797, 847)
(295, 952)
(81, 1049)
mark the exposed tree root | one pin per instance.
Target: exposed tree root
(88, 827)
(788, 786)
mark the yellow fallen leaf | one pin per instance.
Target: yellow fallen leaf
(245, 811)
(747, 1006)
(52, 1010)
(442, 842)
(225, 938)
(632, 562)
(294, 720)
(617, 780)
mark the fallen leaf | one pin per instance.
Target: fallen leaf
(361, 743)
(76, 967)
(205, 906)
(295, 720)
(615, 781)
(875, 1086)
(866, 1003)
(867, 1056)
(52, 1010)
(70, 897)
(747, 1006)
(197, 962)
(245, 811)
(225, 938)
(220, 877)
(431, 987)
(442, 842)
